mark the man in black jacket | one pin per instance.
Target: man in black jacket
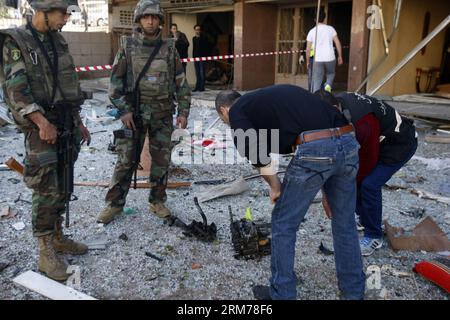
(279, 119)
(181, 42)
(200, 49)
(397, 144)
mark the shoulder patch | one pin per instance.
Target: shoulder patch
(15, 54)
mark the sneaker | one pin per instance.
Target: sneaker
(261, 292)
(369, 245)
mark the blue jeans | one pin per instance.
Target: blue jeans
(200, 74)
(332, 164)
(369, 202)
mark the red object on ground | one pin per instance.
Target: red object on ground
(436, 272)
(207, 142)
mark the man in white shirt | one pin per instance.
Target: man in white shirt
(323, 54)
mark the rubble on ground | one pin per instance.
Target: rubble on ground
(122, 262)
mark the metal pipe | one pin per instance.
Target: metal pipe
(315, 45)
(383, 29)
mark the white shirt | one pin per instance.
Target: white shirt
(325, 35)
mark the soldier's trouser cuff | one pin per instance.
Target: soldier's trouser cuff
(46, 210)
(158, 194)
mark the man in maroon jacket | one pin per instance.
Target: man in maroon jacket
(387, 142)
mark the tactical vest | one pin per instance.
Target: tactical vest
(39, 74)
(158, 83)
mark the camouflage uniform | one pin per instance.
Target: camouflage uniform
(28, 87)
(34, 84)
(164, 78)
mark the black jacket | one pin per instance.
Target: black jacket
(201, 46)
(397, 133)
(182, 44)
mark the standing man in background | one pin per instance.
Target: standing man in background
(200, 50)
(181, 42)
(323, 56)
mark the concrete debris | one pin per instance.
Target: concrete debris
(390, 270)
(49, 288)
(444, 254)
(433, 163)
(227, 189)
(96, 244)
(19, 226)
(412, 212)
(4, 167)
(7, 213)
(437, 138)
(419, 193)
(415, 179)
(121, 270)
(384, 294)
(373, 280)
(421, 98)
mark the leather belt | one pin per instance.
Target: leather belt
(323, 134)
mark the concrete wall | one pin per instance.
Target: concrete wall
(89, 48)
(186, 23)
(406, 38)
(254, 31)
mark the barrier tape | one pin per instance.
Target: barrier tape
(212, 58)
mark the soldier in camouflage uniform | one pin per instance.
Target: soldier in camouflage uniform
(31, 90)
(164, 78)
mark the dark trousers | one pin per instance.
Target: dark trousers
(200, 73)
(369, 203)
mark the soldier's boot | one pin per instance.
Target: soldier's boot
(49, 263)
(108, 214)
(62, 244)
(160, 210)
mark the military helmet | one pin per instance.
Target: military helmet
(145, 7)
(47, 5)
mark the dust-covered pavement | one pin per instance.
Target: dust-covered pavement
(192, 269)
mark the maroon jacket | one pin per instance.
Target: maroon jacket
(368, 135)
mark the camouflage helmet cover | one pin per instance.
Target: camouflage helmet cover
(145, 7)
(47, 5)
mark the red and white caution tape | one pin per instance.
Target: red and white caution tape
(212, 58)
(242, 55)
(93, 68)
